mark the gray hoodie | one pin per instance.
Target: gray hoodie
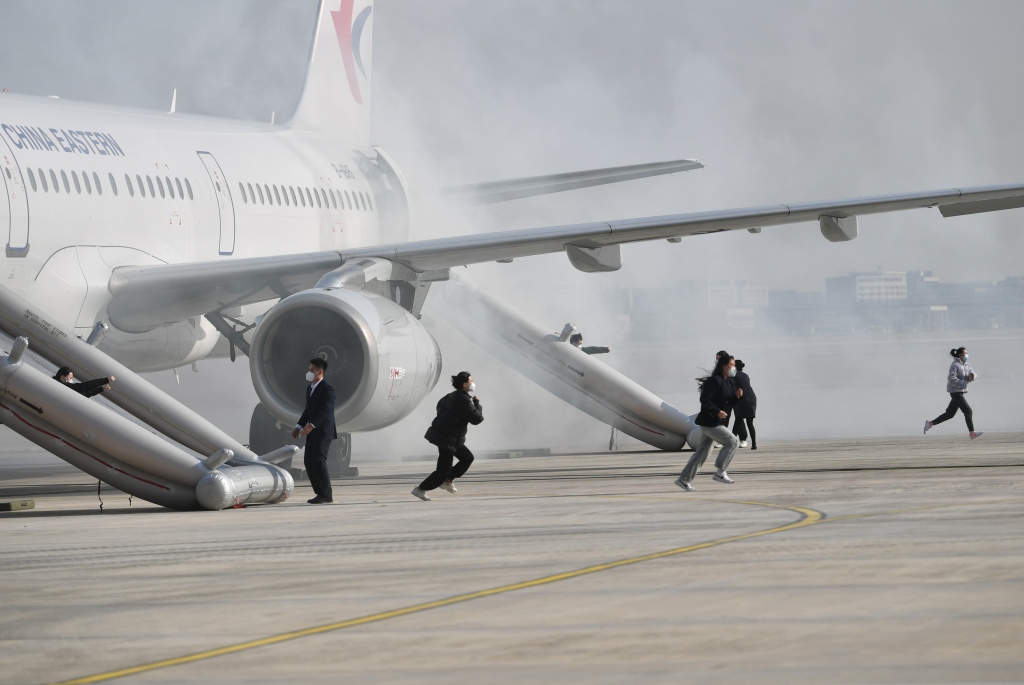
(959, 376)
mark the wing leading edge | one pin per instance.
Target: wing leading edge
(149, 296)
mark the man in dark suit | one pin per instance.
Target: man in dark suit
(317, 425)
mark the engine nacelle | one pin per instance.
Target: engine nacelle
(380, 359)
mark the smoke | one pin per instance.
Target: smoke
(784, 102)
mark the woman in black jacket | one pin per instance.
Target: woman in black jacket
(746, 408)
(718, 395)
(88, 388)
(455, 411)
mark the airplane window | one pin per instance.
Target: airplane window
(260, 190)
(334, 199)
(96, 182)
(152, 191)
(310, 198)
(369, 202)
(360, 203)
(160, 185)
(189, 186)
(348, 200)
(323, 194)
(8, 173)
(366, 200)
(64, 177)
(252, 195)
(113, 184)
(142, 188)
(32, 180)
(170, 188)
(53, 179)
(85, 180)
(78, 186)
(277, 196)
(177, 182)
(128, 182)
(270, 200)
(245, 198)
(317, 196)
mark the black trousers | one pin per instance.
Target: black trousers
(957, 401)
(740, 430)
(315, 460)
(444, 470)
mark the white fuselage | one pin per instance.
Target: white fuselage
(136, 187)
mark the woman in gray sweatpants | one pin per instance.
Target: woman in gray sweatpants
(718, 394)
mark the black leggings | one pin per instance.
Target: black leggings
(444, 470)
(957, 401)
(740, 430)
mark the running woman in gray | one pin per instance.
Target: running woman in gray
(960, 374)
(718, 394)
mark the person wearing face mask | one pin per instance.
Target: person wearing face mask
(960, 374)
(317, 425)
(455, 411)
(718, 395)
(86, 389)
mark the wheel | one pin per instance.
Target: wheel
(339, 457)
(267, 434)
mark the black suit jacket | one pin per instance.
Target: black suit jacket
(319, 411)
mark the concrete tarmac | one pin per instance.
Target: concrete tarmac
(878, 561)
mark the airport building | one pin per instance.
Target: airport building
(860, 302)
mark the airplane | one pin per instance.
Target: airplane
(166, 238)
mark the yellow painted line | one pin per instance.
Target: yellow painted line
(808, 517)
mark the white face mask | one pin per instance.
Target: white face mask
(732, 372)
(309, 376)
(472, 386)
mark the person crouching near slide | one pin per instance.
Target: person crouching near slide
(455, 411)
(718, 394)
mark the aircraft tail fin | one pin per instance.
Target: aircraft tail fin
(336, 95)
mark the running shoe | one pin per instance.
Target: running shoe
(421, 494)
(976, 434)
(449, 486)
(722, 477)
(927, 425)
(684, 485)
(743, 443)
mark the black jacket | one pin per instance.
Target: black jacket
(455, 411)
(319, 411)
(596, 350)
(89, 388)
(746, 406)
(718, 394)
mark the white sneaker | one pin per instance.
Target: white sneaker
(421, 494)
(743, 443)
(722, 477)
(927, 425)
(715, 446)
(684, 485)
(449, 486)
(976, 434)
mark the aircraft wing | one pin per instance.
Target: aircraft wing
(531, 186)
(149, 296)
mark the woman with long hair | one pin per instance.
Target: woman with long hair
(718, 395)
(960, 374)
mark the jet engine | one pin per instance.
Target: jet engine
(380, 359)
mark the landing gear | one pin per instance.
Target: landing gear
(267, 434)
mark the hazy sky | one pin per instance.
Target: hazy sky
(784, 101)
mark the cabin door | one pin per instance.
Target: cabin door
(225, 206)
(13, 204)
